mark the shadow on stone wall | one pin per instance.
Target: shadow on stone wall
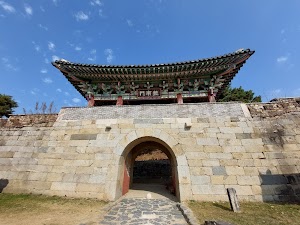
(3, 184)
(280, 187)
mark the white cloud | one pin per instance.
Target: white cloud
(77, 48)
(109, 55)
(55, 2)
(92, 58)
(129, 23)
(67, 93)
(28, 10)
(7, 7)
(101, 13)
(54, 58)
(96, 2)
(34, 91)
(46, 60)
(44, 71)
(8, 65)
(51, 46)
(282, 31)
(43, 27)
(81, 16)
(76, 100)
(58, 90)
(36, 46)
(47, 80)
(93, 53)
(282, 59)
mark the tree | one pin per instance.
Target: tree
(6, 105)
(238, 94)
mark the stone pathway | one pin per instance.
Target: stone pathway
(142, 211)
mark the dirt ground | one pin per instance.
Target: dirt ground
(50, 212)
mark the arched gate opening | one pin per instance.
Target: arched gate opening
(149, 161)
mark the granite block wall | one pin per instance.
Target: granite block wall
(216, 146)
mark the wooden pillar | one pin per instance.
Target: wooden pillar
(91, 101)
(119, 100)
(179, 98)
(211, 95)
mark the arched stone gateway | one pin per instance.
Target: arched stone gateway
(180, 175)
(168, 178)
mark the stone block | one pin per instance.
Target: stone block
(188, 141)
(248, 180)
(291, 147)
(219, 170)
(235, 170)
(63, 186)
(256, 141)
(212, 149)
(196, 155)
(241, 155)
(223, 179)
(258, 155)
(254, 148)
(228, 162)
(288, 169)
(84, 170)
(97, 179)
(246, 163)
(204, 120)
(204, 179)
(83, 187)
(184, 174)
(6, 154)
(5, 161)
(257, 189)
(68, 177)
(208, 189)
(211, 162)
(54, 177)
(289, 140)
(234, 148)
(229, 142)
(63, 169)
(220, 155)
(226, 136)
(77, 162)
(103, 156)
(207, 141)
(81, 178)
(147, 121)
(198, 171)
(231, 130)
(243, 135)
(274, 155)
(251, 171)
(83, 137)
(241, 190)
(214, 130)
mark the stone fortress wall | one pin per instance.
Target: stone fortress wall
(254, 148)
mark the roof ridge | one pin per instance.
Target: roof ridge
(238, 52)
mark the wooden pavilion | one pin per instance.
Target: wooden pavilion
(192, 81)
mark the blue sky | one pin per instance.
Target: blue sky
(35, 33)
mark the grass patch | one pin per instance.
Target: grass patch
(13, 203)
(252, 213)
